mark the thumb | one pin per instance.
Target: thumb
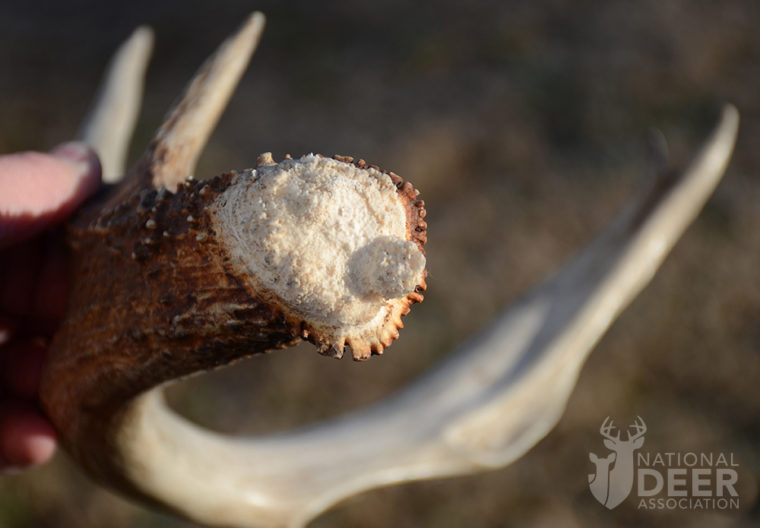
(38, 190)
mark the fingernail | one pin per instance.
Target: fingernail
(40, 448)
(82, 157)
(26, 438)
(73, 152)
(37, 450)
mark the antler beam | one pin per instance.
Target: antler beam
(188, 296)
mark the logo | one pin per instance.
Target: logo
(613, 480)
(663, 480)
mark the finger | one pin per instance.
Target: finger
(38, 190)
(26, 438)
(21, 367)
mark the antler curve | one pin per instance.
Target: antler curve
(482, 408)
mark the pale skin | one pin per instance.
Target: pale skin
(37, 192)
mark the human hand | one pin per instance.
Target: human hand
(37, 191)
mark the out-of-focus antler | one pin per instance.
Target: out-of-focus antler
(109, 127)
(188, 305)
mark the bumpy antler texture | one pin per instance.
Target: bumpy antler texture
(172, 278)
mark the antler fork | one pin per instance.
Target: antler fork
(640, 429)
(606, 430)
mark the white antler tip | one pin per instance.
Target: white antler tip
(731, 114)
(256, 19)
(143, 36)
(109, 126)
(190, 123)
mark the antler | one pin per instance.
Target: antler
(111, 122)
(640, 427)
(172, 155)
(606, 430)
(189, 304)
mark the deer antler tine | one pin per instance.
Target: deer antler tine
(611, 428)
(172, 155)
(607, 428)
(606, 425)
(109, 126)
(640, 428)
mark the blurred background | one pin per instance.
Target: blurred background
(525, 125)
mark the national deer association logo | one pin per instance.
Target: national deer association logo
(613, 480)
(669, 480)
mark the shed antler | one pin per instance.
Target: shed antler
(168, 283)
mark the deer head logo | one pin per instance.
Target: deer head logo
(613, 480)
